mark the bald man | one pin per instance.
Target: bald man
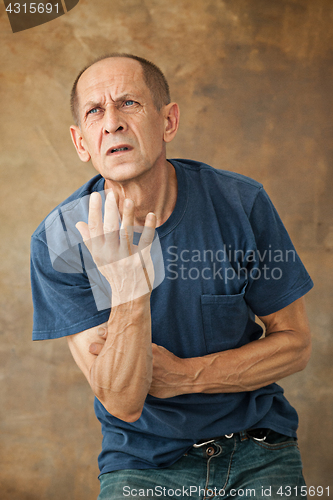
(154, 270)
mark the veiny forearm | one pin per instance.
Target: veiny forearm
(247, 368)
(121, 374)
(285, 350)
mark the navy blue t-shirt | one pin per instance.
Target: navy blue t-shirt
(227, 257)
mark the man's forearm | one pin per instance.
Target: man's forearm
(121, 374)
(285, 350)
(250, 367)
(120, 370)
(247, 368)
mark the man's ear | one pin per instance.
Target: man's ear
(78, 142)
(171, 116)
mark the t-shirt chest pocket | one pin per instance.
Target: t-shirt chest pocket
(224, 321)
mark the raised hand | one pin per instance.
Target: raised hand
(128, 268)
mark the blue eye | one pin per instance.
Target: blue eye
(92, 111)
(129, 103)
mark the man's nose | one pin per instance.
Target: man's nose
(113, 120)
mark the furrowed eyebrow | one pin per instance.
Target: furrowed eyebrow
(121, 98)
(91, 105)
(124, 97)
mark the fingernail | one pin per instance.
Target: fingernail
(151, 216)
(110, 194)
(101, 332)
(128, 203)
(92, 348)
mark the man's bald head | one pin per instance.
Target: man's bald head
(152, 75)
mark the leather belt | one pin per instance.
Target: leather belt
(257, 434)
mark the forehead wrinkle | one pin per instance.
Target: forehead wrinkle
(103, 80)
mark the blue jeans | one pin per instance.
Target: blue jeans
(239, 467)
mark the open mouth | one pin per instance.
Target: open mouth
(120, 149)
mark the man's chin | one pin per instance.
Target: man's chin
(122, 172)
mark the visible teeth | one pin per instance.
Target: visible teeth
(119, 149)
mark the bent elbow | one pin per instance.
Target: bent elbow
(120, 406)
(130, 418)
(305, 355)
(123, 402)
(125, 416)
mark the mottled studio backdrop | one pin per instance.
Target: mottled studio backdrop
(254, 80)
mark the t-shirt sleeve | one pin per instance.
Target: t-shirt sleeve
(67, 298)
(276, 275)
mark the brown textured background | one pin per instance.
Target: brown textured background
(254, 81)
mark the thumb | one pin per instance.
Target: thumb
(95, 348)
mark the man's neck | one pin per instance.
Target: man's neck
(156, 192)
